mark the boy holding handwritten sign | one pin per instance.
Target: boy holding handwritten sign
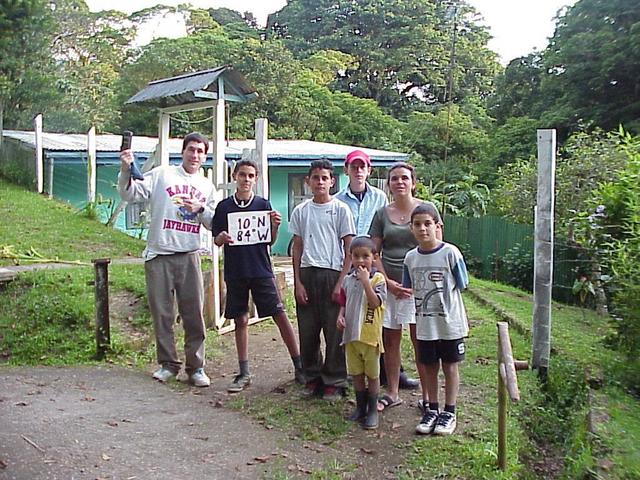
(246, 225)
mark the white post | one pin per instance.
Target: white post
(261, 126)
(37, 129)
(51, 170)
(1, 121)
(91, 165)
(219, 178)
(543, 251)
(163, 139)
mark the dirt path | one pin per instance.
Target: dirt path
(99, 422)
(376, 453)
(110, 422)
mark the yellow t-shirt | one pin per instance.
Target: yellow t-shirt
(362, 322)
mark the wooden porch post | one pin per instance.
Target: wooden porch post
(164, 127)
(261, 126)
(219, 179)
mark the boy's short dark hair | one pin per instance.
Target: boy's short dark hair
(195, 137)
(322, 164)
(363, 241)
(427, 208)
(245, 162)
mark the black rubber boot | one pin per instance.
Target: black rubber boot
(361, 407)
(371, 422)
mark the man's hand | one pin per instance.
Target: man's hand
(301, 294)
(335, 295)
(126, 159)
(340, 323)
(222, 238)
(191, 204)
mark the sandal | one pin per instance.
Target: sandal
(386, 401)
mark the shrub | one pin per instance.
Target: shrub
(517, 265)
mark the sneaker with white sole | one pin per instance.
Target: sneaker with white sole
(199, 379)
(163, 375)
(446, 424)
(428, 422)
(240, 382)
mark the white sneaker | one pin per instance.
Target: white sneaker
(163, 375)
(446, 424)
(199, 378)
(428, 422)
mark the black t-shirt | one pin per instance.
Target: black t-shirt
(242, 261)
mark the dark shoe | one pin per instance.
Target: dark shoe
(386, 401)
(331, 393)
(240, 382)
(311, 389)
(407, 383)
(299, 377)
(371, 421)
(361, 407)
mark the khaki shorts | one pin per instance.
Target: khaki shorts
(362, 359)
(399, 312)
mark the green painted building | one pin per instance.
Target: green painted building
(65, 160)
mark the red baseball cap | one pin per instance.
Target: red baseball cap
(357, 155)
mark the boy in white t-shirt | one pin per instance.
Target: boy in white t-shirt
(322, 228)
(436, 273)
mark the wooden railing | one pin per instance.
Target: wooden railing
(507, 384)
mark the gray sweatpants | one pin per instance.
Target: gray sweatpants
(177, 277)
(320, 315)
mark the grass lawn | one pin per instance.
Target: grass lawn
(34, 225)
(46, 318)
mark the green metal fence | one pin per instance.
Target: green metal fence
(497, 249)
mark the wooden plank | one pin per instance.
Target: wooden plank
(232, 325)
(7, 275)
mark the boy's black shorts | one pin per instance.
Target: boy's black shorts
(432, 351)
(263, 291)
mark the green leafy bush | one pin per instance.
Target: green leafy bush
(517, 265)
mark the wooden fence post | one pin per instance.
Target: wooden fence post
(507, 384)
(103, 331)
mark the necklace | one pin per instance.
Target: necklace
(403, 218)
(243, 203)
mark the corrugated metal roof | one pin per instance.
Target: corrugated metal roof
(181, 90)
(276, 149)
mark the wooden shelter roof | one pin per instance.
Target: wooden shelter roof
(196, 87)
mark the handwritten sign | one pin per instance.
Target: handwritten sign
(249, 228)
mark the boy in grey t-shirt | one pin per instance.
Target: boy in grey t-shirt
(322, 229)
